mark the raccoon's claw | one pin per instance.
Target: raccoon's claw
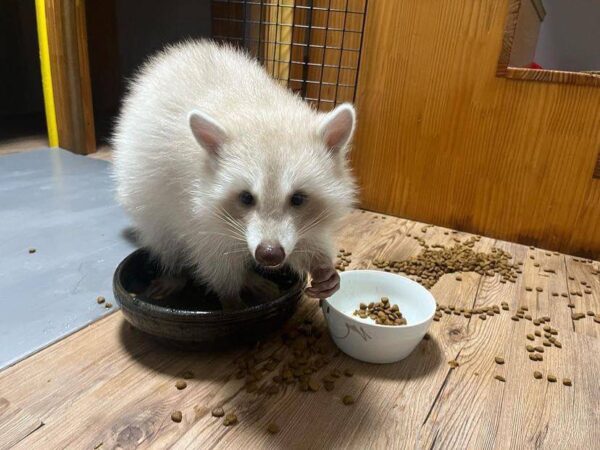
(165, 286)
(325, 282)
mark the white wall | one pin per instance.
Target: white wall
(570, 35)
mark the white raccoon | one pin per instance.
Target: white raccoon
(219, 165)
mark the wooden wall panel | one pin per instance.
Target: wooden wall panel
(67, 39)
(441, 139)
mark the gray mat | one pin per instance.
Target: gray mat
(62, 205)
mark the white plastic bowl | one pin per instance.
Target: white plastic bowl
(365, 340)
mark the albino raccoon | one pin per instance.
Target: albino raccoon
(219, 165)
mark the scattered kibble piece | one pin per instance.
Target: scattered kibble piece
(539, 289)
(537, 375)
(32, 250)
(176, 416)
(567, 382)
(458, 278)
(180, 384)
(348, 400)
(551, 378)
(499, 360)
(108, 305)
(100, 299)
(453, 364)
(218, 412)
(230, 419)
(500, 378)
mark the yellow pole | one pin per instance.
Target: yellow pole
(42, 31)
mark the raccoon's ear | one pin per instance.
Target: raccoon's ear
(337, 126)
(207, 131)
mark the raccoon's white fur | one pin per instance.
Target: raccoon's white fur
(202, 123)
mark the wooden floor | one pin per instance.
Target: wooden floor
(109, 385)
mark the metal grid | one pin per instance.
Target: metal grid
(312, 46)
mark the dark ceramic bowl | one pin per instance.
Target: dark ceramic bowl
(193, 318)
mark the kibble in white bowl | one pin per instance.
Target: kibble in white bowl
(365, 340)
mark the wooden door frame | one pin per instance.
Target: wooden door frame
(62, 35)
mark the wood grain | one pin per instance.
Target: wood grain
(71, 83)
(110, 384)
(441, 139)
(553, 76)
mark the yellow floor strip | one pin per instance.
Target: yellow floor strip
(42, 30)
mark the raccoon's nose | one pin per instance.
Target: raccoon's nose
(270, 254)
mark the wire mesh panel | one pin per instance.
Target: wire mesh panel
(312, 46)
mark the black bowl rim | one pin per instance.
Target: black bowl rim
(126, 301)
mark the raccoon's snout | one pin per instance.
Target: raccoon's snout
(270, 254)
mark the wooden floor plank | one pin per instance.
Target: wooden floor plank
(108, 383)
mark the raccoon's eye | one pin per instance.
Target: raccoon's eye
(297, 199)
(246, 198)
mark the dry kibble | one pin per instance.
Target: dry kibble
(108, 305)
(348, 400)
(567, 382)
(230, 419)
(273, 428)
(459, 278)
(180, 384)
(218, 412)
(530, 337)
(551, 378)
(453, 364)
(528, 289)
(176, 416)
(537, 375)
(314, 385)
(32, 250)
(530, 348)
(100, 299)
(500, 378)
(499, 360)
(383, 313)
(539, 289)
(538, 333)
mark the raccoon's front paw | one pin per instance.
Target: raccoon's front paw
(164, 286)
(325, 282)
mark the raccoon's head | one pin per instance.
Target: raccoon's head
(280, 186)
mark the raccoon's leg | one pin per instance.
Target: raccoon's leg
(165, 286)
(325, 279)
(226, 278)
